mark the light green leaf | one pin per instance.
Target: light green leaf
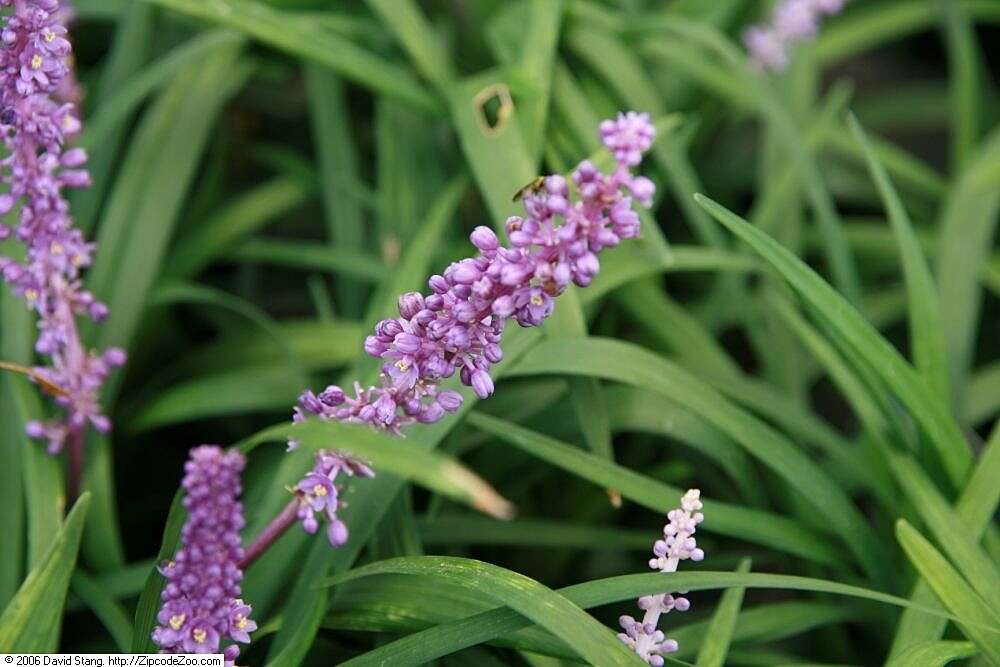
(933, 654)
(446, 638)
(926, 331)
(632, 365)
(983, 626)
(720, 631)
(307, 39)
(737, 521)
(849, 325)
(594, 642)
(31, 622)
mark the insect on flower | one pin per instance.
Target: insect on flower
(532, 188)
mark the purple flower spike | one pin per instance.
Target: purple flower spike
(678, 544)
(458, 328)
(37, 118)
(792, 22)
(201, 600)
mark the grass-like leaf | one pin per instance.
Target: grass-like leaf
(953, 591)
(630, 364)
(926, 331)
(751, 525)
(31, 622)
(447, 638)
(720, 631)
(927, 410)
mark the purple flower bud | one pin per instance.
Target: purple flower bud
(465, 273)
(374, 347)
(431, 413)
(332, 396)
(407, 343)
(449, 400)
(493, 353)
(387, 330)
(438, 284)
(410, 304)
(115, 356)
(75, 157)
(482, 383)
(336, 532)
(484, 239)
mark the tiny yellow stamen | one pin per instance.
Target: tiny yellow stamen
(199, 635)
(77, 260)
(319, 490)
(241, 621)
(31, 295)
(402, 365)
(537, 300)
(37, 61)
(48, 35)
(56, 248)
(177, 621)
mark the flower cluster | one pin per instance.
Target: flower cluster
(33, 74)
(201, 600)
(317, 493)
(678, 544)
(792, 22)
(458, 327)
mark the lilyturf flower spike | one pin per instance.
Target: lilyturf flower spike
(37, 119)
(792, 22)
(458, 327)
(678, 544)
(201, 600)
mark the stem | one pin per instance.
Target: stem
(271, 533)
(74, 464)
(652, 616)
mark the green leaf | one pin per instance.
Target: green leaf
(737, 521)
(392, 455)
(592, 641)
(149, 599)
(251, 389)
(926, 331)
(933, 654)
(966, 227)
(241, 217)
(975, 508)
(983, 627)
(31, 622)
(446, 638)
(964, 81)
(948, 529)
(336, 153)
(105, 134)
(407, 22)
(851, 327)
(539, 533)
(105, 607)
(134, 234)
(309, 255)
(720, 630)
(307, 39)
(315, 345)
(632, 365)
(634, 410)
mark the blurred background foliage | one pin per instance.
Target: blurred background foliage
(270, 173)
